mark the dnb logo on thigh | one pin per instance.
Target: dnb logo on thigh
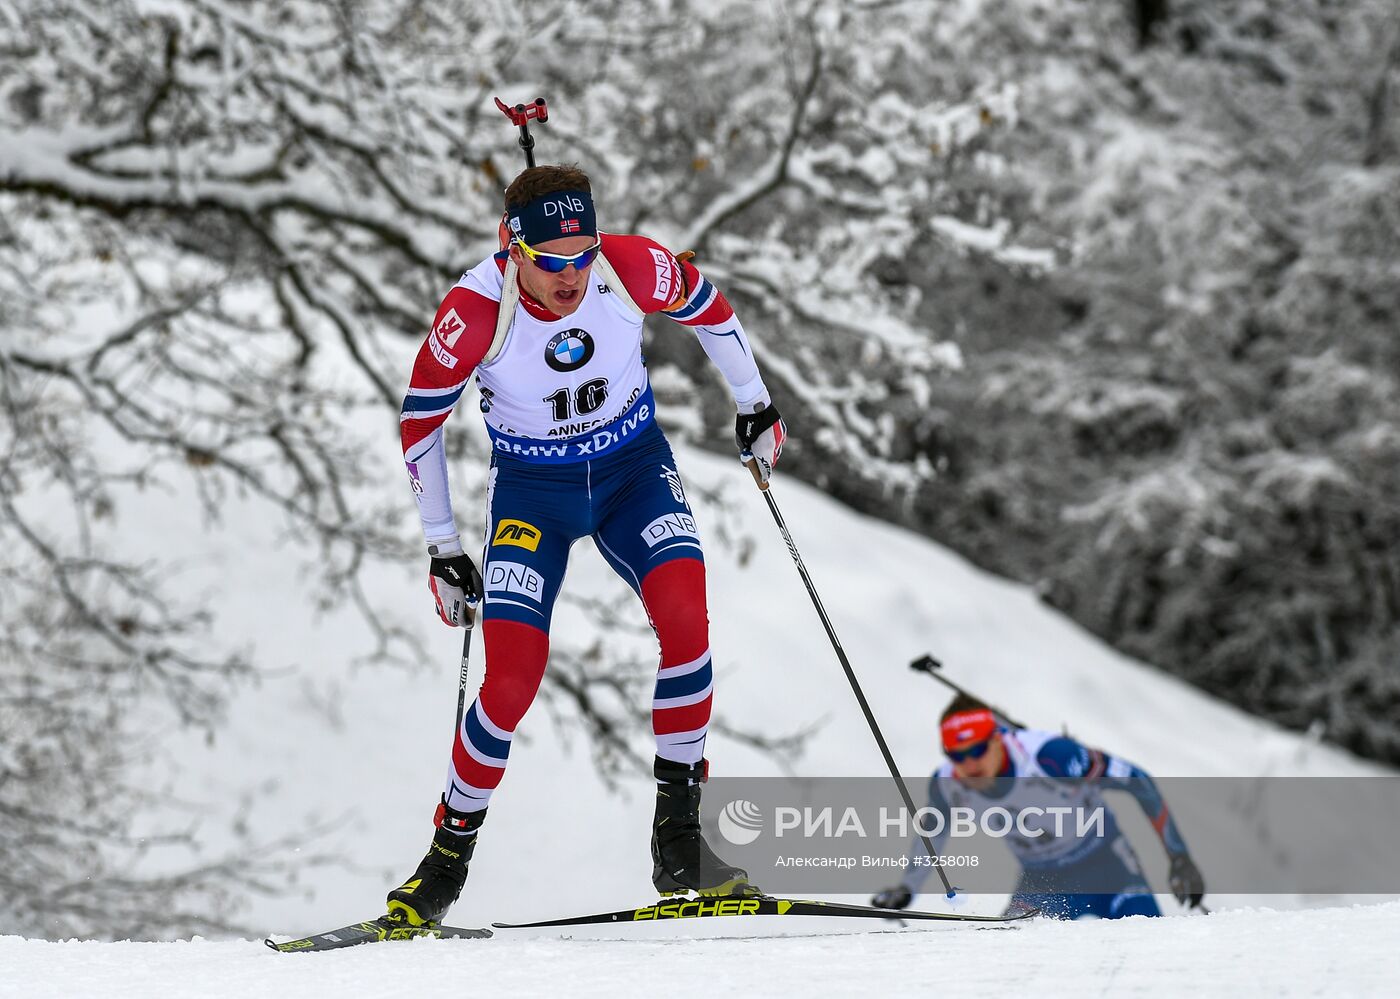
(518, 533)
(569, 350)
(672, 525)
(514, 577)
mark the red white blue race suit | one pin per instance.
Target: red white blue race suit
(1074, 859)
(577, 453)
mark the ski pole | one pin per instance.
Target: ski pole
(462, 673)
(931, 666)
(520, 115)
(752, 464)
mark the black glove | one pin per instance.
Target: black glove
(453, 578)
(760, 436)
(897, 897)
(1186, 881)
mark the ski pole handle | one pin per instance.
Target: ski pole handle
(751, 463)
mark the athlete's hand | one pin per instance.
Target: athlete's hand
(760, 436)
(455, 583)
(1186, 881)
(897, 897)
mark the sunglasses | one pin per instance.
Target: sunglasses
(973, 752)
(554, 263)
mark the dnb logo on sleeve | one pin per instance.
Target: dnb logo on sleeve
(569, 350)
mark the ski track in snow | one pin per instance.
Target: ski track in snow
(1335, 952)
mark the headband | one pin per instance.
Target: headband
(553, 216)
(968, 726)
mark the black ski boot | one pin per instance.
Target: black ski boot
(681, 859)
(430, 892)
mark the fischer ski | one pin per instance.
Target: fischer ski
(373, 931)
(751, 905)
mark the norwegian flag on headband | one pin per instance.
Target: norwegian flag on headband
(568, 225)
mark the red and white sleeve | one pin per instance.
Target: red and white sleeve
(658, 282)
(462, 332)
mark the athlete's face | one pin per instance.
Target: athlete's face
(978, 772)
(559, 293)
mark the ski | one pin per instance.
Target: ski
(750, 905)
(377, 930)
(373, 931)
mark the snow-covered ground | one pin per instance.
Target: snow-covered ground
(362, 751)
(1333, 952)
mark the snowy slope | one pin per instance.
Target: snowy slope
(361, 752)
(1334, 952)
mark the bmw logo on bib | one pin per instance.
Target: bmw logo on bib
(569, 351)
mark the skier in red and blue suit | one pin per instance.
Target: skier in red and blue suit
(1067, 871)
(552, 328)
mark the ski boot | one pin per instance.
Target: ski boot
(681, 859)
(429, 893)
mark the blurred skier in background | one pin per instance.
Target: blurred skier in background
(552, 327)
(1066, 872)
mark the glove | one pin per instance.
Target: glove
(760, 436)
(897, 897)
(453, 578)
(1186, 881)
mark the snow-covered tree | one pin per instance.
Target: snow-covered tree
(1109, 308)
(224, 228)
